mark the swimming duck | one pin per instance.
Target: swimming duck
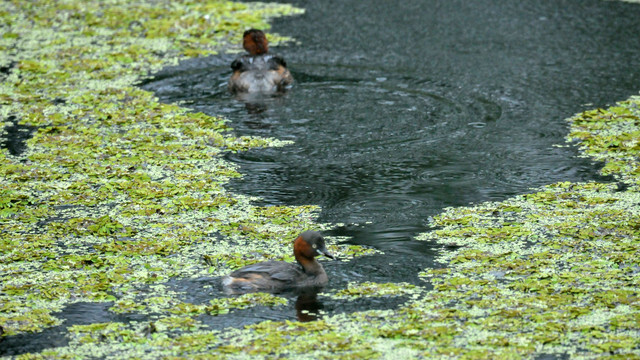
(258, 71)
(276, 276)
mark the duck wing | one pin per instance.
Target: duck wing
(238, 65)
(275, 62)
(278, 270)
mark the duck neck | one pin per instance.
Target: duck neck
(310, 265)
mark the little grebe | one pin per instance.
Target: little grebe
(280, 275)
(258, 71)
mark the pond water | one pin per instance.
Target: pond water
(402, 109)
(399, 110)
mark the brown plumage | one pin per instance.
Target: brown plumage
(255, 42)
(258, 71)
(279, 275)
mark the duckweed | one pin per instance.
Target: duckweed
(549, 273)
(116, 192)
(357, 290)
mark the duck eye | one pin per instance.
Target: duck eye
(314, 246)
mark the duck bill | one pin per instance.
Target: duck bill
(326, 253)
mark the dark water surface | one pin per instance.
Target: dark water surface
(403, 108)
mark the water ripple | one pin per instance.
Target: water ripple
(376, 147)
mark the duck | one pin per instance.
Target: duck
(277, 276)
(258, 71)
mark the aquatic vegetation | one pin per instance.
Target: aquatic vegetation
(611, 135)
(553, 272)
(549, 272)
(172, 305)
(116, 192)
(367, 288)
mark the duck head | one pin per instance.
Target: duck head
(255, 42)
(309, 245)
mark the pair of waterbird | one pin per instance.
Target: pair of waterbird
(261, 72)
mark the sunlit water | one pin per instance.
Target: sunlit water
(399, 110)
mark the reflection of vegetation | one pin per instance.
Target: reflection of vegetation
(117, 193)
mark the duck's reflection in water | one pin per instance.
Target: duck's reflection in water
(255, 107)
(258, 104)
(307, 304)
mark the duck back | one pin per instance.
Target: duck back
(272, 276)
(259, 74)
